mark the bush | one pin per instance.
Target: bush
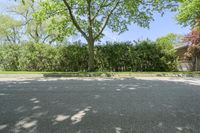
(117, 56)
(72, 57)
(9, 55)
(37, 57)
(155, 57)
(113, 56)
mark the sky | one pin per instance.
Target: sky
(159, 27)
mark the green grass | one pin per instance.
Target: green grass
(22, 72)
(37, 72)
(28, 72)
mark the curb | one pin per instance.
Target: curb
(21, 76)
(122, 75)
(104, 75)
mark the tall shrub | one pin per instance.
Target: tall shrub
(9, 55)
(37, 57)
(113, 56)
(72, 57)
(152, 56)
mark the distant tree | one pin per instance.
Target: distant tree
(170, 39)
(9, 29)
(33, 29)
(37, 31)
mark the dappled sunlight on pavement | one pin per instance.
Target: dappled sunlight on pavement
(76, 118)
(191, 81)
(100, 105)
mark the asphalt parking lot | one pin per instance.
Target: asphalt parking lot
(99, 106)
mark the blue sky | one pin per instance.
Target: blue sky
(160, 27)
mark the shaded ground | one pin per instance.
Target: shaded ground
(99, 106)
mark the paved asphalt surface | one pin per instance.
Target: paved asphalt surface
(99, 106)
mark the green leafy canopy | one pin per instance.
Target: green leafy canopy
(188, 12)
(96, 15)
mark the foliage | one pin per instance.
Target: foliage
(72, 57)
(9, 29)
(20, 25)
(155, 57)
(189, 15)
(36, 31)
(170, 39)
(96, 14)
(115, 56)
(9, 57)
(188, 12)
(91, 17)
(37, 57)
(194, 36)
(193, 51)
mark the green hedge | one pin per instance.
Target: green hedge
(116, 56)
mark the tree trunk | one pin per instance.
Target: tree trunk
(196, 66)
(91, 55)
(194, 63)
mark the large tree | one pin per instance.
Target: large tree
(91, 17)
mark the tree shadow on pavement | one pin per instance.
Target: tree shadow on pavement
(99, 106)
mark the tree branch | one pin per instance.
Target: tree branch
(31, 35)
(74, 20)
(97, 13)
(45, 38)
(107, 20)
(8, 38)
(90, 32)
(89, 11)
